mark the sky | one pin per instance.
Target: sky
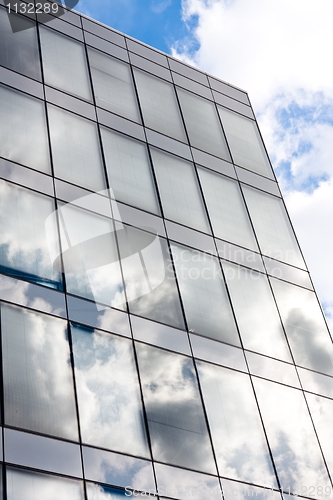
(280, 52)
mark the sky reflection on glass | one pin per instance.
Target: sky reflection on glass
(37, 373)
(24, 247)
(175, 415)
(291, 436)
(108, 392)
(238, 437)
(35, 486)
(304, 323)
(90, 256)
(256, 313)
(204, 295)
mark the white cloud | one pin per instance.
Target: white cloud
(160, 6)
(264, 45)
(279, 51)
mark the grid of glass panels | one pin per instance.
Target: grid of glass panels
(159, 331)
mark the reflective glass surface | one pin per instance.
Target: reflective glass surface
(40, 452)
(321, 412)
(64, 63)
(238, 438)
(151, 289)
(316, 382)
(19, 51)
(272, 369)
(204, 295)
(25, 245)
(75, 149)
(129, 171)
(138, 218)
(13, 172)
(240, 255)
(101, 492)
(108, 392)
(288, 273)
(159, 105)
(272, 226)
(34, 296)
(227, 209)
(179, 191)
(160, 335)
(92, 314)
(23, 131)
(90, 256)
(304, 323)
(119, 470)
(256, 313)
(38, 383)
(124, 335)
(218, 352)
(35, 486)
(190, 237)
(233, 490)
(292, 439)
(202, 124)
(183, 484)
(245, 142)
(176, 421)
(113, 85)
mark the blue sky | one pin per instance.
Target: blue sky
(155, 22)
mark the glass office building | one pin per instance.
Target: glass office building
(160, 335)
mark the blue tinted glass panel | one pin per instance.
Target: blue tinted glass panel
(38, 382)
(26, 246)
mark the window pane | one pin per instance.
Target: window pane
(75, 149)
(120, 470)
(129, 171)
(321, 411)
(179, 191)
(184, 484)
(159, 105)
(90, 256)
(24, 249)
(176, 421)
(109, 399)
(35, 486)
(316, 382)
(272, 226)
(40, 452)
(238, 437)
(113, 85)
(304, 323)
(101, 492)
(150, 283)
(227, 209)
(38, 383)
(272, 369)
(19, 51)
(291, 436)
(202, 124)
(204, 296)
(23, 136)
(256, 313)
(245, 142)
(64, 63)
(232, 489)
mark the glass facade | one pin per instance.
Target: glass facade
(160, 335)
